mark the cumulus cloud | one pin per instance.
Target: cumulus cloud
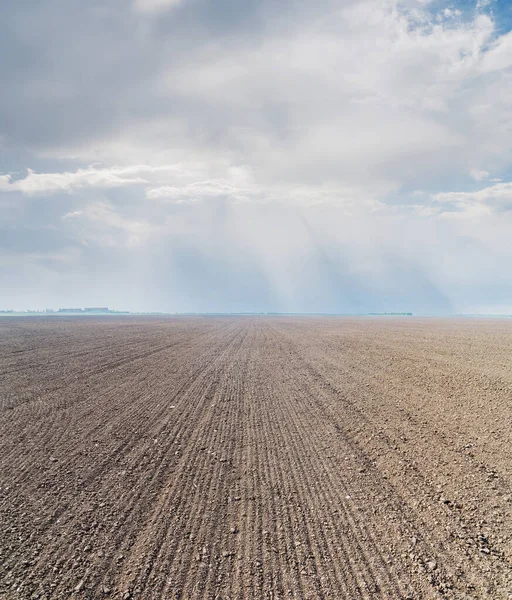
(326, 92)
(499, 55)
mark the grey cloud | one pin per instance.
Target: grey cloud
(300, 130)
(69, 66)
(78, 69)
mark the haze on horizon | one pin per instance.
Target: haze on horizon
(198, 156)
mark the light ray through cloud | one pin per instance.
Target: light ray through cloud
(268, 156)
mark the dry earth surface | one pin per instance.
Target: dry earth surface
(255, 458)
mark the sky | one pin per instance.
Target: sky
(296, 156)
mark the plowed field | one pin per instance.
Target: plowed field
(255, 458)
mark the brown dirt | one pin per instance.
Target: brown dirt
(256, 458)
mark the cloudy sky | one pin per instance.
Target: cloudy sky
(218, 155)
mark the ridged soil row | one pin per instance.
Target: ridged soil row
(133, 413)
(288, 436)
(445, 545)
(104, 419)
(249, 458)
(164, 454)
(168, 538)
(290, 565)
(324, 562)
(100, 353)
(212, 527)
(49, 368)
(75, 399)
(103, 407)
(249, 579)
(348, 423)
(62, 519)
(457, 542)
(415, 395)
(364, 538)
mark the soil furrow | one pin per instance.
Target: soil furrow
(248, 458)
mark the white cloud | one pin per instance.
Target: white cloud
(100, 223)
(91, 177)
(363, 92)
(451, 13)
(216, 135)
(199, 191)
(479, 174)
(350, 197)
(497, 198)
(152, 6)
(499, 55)
(358, 92)
(73, 214)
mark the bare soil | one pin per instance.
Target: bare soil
(255, 458)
